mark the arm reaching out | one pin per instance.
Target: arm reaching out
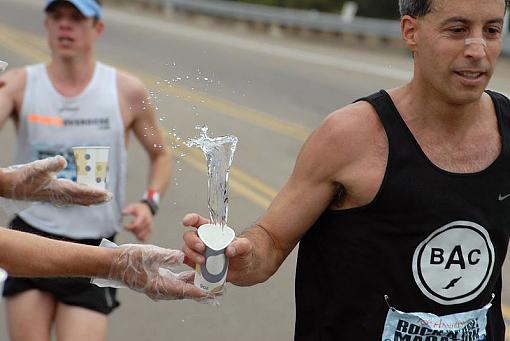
(143, 268)
(327, 162)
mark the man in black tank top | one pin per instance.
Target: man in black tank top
(400, 200)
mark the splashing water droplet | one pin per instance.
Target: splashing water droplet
(219, 152)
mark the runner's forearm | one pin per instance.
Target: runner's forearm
(23, 254)
(267, 254)
(160, 170)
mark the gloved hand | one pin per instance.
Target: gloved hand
(36, 181)
(148, 269)
(3, 66)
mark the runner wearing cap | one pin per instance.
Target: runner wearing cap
(76, 101)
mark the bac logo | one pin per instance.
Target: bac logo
(454, 264)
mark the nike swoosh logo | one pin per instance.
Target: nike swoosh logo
(503, 197)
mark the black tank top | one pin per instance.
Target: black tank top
(433, 241)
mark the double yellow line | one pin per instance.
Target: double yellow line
(34, 48)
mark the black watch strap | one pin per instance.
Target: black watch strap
(152, 205)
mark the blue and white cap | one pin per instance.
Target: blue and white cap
(89, 8)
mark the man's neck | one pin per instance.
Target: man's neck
(432, 109)
(71, 76)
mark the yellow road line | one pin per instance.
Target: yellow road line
(195, 97)
(240, 176)
(21, 48)
(245, 185)
(240, 182)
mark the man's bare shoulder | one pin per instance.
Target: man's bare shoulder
(15, 81)
(344, 140)
(131, 89)
(351, 127)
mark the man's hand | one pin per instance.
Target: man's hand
(151, 269)
(141, 224)
(36, 181)
(239, 252)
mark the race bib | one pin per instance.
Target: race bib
(468, 326)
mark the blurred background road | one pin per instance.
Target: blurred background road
(270, 92)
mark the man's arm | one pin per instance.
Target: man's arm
(25, 254)
(147, 131)
(151, 136)
(12, 85)
(136, 266)
(328, 160)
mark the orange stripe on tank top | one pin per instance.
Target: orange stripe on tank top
(46, 120)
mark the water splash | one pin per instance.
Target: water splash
(219, 153)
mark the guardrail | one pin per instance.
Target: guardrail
(276, 18)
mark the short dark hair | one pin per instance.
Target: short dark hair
(419, 8)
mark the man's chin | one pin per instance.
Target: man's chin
(466, 96)
(66, 55)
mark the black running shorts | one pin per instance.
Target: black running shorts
(74, 291)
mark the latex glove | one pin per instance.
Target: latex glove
(3, 66)
(141, 225)
(148, 269)
(36, 181)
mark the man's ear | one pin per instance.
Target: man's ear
(409, 28)
(99, 26)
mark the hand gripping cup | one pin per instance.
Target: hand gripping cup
(211, 276)
(91, 165)
(3, 277)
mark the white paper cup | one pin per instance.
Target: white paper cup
(91, 165)
(212, 275)
(3, 277)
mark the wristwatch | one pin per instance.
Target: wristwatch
(151, 198)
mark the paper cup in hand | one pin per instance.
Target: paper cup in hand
(211, 276)
(91, 165)
(3, 277)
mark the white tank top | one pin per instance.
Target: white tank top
(51, 124)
